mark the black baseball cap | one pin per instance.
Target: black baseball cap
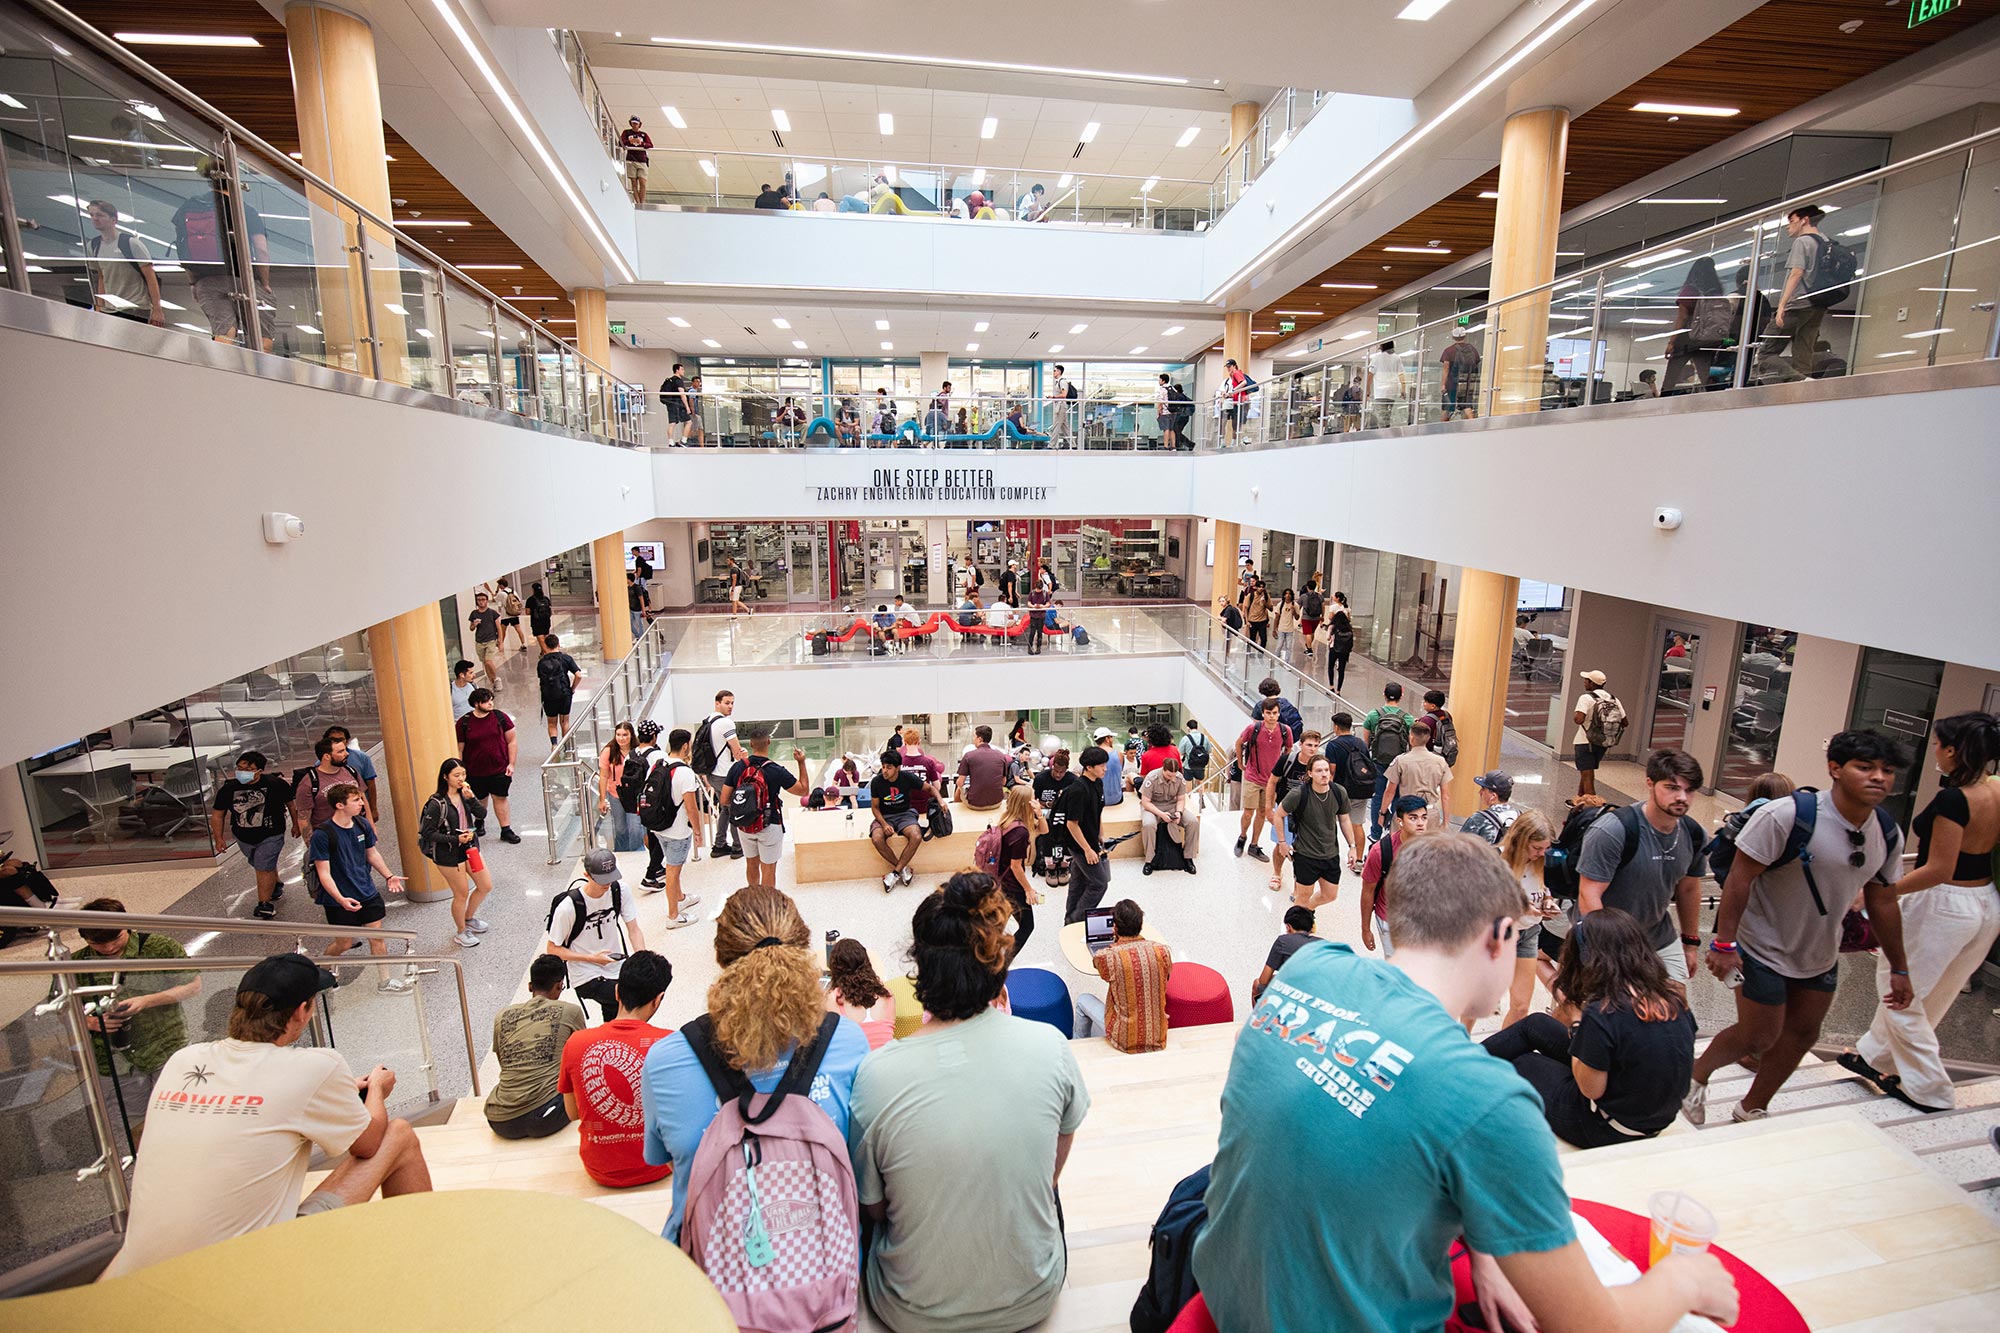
(288, 980)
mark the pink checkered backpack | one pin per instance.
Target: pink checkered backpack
(772, 1214)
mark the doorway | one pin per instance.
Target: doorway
(1061, 556)
(893, 551)
(1896, 694)
(1677, 649)
(805, 563)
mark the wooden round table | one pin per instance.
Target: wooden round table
(1078, 953)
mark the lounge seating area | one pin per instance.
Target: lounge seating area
(832, 845)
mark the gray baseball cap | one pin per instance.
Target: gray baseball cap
(1500, 784)
(601, 866)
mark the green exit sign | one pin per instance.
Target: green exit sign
(1923, 11)
(1287, 325)
(618, 326)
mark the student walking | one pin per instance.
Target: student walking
(1339, 643)
(448, 835)
(1286, 620)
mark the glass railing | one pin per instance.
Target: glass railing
(571, 791)
(812, 419)
(76, 1092)
(1699, 313)
(128, 196)
(1277, 125)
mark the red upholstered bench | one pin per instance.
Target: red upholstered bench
(1197, 996)
(1193, 1317)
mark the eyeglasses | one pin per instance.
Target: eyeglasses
(1857, 839)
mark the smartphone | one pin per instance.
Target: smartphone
(616, 957)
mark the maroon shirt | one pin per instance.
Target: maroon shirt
(484, 740)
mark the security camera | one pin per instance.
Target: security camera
(282, 528)
(1665, 519)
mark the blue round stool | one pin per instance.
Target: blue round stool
(1037, 993)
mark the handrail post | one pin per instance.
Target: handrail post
(111, 1165)
(239, 244)
(1417, 379)
(368, 298)
(499, 386)
(1747, 329)
(11, 249)
(1597, 334)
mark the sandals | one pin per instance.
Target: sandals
(1277, 882)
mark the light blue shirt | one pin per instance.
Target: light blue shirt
(680, 1102)
(1114, 777)
(358, 760)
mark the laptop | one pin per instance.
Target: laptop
(1097, 932)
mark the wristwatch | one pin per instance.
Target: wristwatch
(1691, 941)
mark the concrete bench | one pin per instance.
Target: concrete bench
(827, 846)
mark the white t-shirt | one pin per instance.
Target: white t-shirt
(1586, 703)
(721, 732)
(600, 933)
(684, 782)
(229, 1133)
(1386, 369)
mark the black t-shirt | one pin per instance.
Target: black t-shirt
(1082, 804)
(1048, 788)
(1285, 946)
(1007, 582)
(1014, 845)
(1649, 1064)
(485, 625)
(1289, 773)
(776, 776)
(539, 611)
(893, 798)
(256, 810)
(555, 671)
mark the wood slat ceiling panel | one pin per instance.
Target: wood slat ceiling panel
(253, 85)
(1780, 56)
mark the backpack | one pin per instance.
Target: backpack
(1389, 737)
(1720, 853)
(553, 675)
(1288, 717)
(772, 1214)
(1313, 604)
(1248, 385)
(1355, 769)
(1081, 636)
(1343, 633)
(1721, 849)
(1559, 874)
(750, 800)
(1713, 322)
(1837, 267)
(1446, 740)
(1194, 764)
(820, 647)
(657, 807)
(1070, 393)
(511, 605)
(201, 230)
(632, 777)
(1607, 724)
(1170, 1283)
(937, 823)
(986, 852)
(573, 895)
(703, 753)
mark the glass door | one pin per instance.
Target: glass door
(1673, 688)
(1897, 695)
(1060, 554)
(1757, 708)
(894, 554)
(805, 557)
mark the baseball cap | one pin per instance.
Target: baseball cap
(1101, 733)
(1594, 677)
(288, 980)
(647, 730)
(601, 866)
(1500, 784)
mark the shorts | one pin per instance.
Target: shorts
(483, 787)
(263, 854)
(767, 844)
(215, 293)
(674, 851)
(637, 170)
(552, 706)
(1528, 940)
(1762, 985)
(371, 912)
(509, 620)
(1310, 870)
(902, 821)
(487, 648)
(319, 1201)
(1253, 795)
(1588, 757)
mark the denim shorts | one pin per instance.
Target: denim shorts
(1761, 985)
(674, 851)
(1528, 940)
(264, 853)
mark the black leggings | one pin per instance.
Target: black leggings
(601, 989)
(1336, 668)
(1260, 633)
(539, 1123)
(1538, 1048)
(1024, 912)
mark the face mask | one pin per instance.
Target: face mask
(241, 776)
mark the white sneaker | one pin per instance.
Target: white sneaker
(477, 925)
(394, 985)
(676, 922)
(889, 882)
(1743, 1115)
(1695, 1105)
(690, 900)
(908, 875)
(465, 939)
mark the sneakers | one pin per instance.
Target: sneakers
(1695, 1105)
(1146, 869)
(465, 939)
(676, 922)
(264, 911)
(907, 875)
(651, 885)
(1190, 867)
(1743, 1115)
(1239, 845)
(477, 925)
(690, 900)
(277, 892)
(507, 834)
(889, 882)
(1256, 853)
(394, 985)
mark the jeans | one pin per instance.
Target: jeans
(1538, 1048)
(1037, 626)
(1024, 912)
(1259, 632)
(1336, 668)
(1375, 806)
(656, 856)
(1089, 1016)
(725, 832)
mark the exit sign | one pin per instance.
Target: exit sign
(1923, 11)
(618, 326)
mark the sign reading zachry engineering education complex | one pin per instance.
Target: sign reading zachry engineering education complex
(928, 485)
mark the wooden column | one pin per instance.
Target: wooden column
(1482, 654)
(1227, 537)
(339, 105)
(1532, 150)
(413, 698)
(1242, 120)
(614, 609)
(1236, 338)
(593, 339)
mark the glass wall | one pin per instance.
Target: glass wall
(781, 563)
(1896, 694)
(1404, 610)
(1757, 709)
(139, 789)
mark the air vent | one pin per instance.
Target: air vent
(752, 332)
(777, 139)
(1036, 334)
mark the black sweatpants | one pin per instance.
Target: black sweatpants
(1538, 1048)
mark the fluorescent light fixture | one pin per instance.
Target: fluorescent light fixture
(1884, 356)
(1078, 328)
(901, 58)
(1648, 321)
(982, 326)
(432, 222)
(394, 308)
(1350, 286)
(1089, 132)
(1172, 330)
(478, 268)
(8, 100)
(889, 171)
(978, 177)
(1564, 314)
(306, 328)
(1054, 348)
(1187, 136)
(1660, 257)
(1063, 183)
(972, 347)
(137, 143)
(710, 342)
(1683, 201)
(707, 167)
(780, 121)
(781, 323)
(885, 122)
(989, 127)
(677, 321)
(1297, 312)
(1684, 109)
(558, 321)
(1929, 333)
(799, 343)
(882, 325)
(888, 347)
(1147, 188)
(1566, 282)
(146, 109)
(1861, 230)
(674, 117)
(1654, 337)
(1422, 11)
(183, 39)
(1415, 250)
(1939, 291)
(1627, 291)
(1136, 350)
(1350, 337)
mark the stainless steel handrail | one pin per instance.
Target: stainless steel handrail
(108, 49)
(40, 917)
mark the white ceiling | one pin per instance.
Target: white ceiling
(850, 332)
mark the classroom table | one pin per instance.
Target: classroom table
(140, 761)
(1077, 952)
(245, 710)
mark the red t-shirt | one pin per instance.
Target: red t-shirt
(1261, 750)
(1154, 757)
(1371, 869)
(602, 1067)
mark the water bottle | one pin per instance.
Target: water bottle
(832, 938)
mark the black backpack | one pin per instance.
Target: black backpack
(1389, 737)
(1353, 767)
(573, 895)
(553, 674)
(1170, 1283)
(1837, 267)
(1313, 604)
(1071, 394)
(1446, 740)
(703, 754)
(1194, 765)
(1559, 866)
(1720, 853)
(657, 807)
(632, 777)
(820, 647)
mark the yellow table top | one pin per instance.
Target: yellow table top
(1078, 953)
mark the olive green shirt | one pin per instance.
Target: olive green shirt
(156, 1033)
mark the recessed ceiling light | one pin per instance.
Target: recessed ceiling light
(1489, 194)
(1929, 333)
(972, 347)
(1063, 182)
(1627, 291)
(1422, 11)
(1089, 133)
(1416, 250)
(901, 58)
(674, 117)
(677, 321)
(9, 100)
(989, 127)
(710, 342)
(982, 326)
(1884, 356)
(1170, 332)
(888, 347)
(1057, 347)
(889, 170)
(1296, 312)
(1659, 258)
(882, 324)
(781, 323)
(1647, 321)
(885, 122)
(1187, 136)
(978, 177)
(1861, 230)
(1136, 350)
(780, 121)
(799, 343)
(1350, 337)
(1078, 328)
(1683, 201)
(1350, 286)
(1939, 291)
(707, 167)
(1685, 109)
(1147, 188)
(182, 39)
(302, 328)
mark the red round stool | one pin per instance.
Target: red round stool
(1197, 996)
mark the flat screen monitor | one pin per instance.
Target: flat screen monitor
(1571, 357)
(656, 554)
(1539, 596)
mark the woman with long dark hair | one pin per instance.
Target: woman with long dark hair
(1613, 1062)
(1019, 827)
(447, 832)
(626, 833)
(1287, 618)
(1951, 915)
(1340, 642)
(1705, 321)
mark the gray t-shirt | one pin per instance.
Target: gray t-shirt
(956, 1128)
(1781, 925)
(1317, 818)
(1644, 889)
(1804, 255)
